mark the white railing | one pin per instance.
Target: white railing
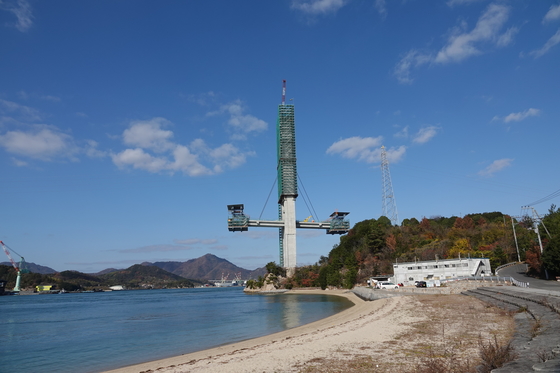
(519, 283)
(506, 265)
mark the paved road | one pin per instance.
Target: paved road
(518, 272)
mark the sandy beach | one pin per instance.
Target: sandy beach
(391, 334)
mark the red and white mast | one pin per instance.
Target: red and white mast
(283, 92)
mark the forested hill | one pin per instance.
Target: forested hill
(372, 246)
(134, 277)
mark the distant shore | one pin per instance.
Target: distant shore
(357, 332)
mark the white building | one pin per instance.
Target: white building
(407, 273)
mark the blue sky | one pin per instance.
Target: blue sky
(126, 127)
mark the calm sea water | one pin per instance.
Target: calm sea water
(92, 332)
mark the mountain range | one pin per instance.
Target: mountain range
(207, 267)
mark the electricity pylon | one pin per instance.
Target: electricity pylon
(389, 207)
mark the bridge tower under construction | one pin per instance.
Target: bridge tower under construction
(287, 195)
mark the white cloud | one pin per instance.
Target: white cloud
(555, 39)
(496, 166)
(41, 142)
(196, 159)
(553, 13)
(139, 159)
(149, 135)
(356, 147)
(395, 154)
(366, 149)
(425, 134)
(22, 10)
(517, 117)
(463, 45)
(318, 7)
(228, 156)
(187, 162)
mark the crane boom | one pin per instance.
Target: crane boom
(7, 251)
(20, 269)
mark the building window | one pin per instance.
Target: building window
(409, 268)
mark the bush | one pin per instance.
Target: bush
(494, 355)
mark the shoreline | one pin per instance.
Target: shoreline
(393, 334)
(342, 317)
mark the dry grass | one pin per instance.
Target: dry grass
(449, 334)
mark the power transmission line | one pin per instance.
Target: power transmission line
(544, 199)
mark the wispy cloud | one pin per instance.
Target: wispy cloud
(203, 99)
(21, 112)
(152, 149)
(425, 134)
(553, 14)
(462, 44)
(453, 3)
(517, 117)
(403, 134)
(365, 149)
(507, 37)
(51, 98)
(90, 149)
(156, 249)
(381, 7)
(317, 7)
(196, 241)
(496, 166)
(412, 59)
(554, 39)
(22, 10)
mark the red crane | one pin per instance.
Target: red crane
(19, 268)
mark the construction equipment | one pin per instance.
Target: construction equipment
(19, 268)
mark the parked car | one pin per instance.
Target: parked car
(388, 285)
(420, 284)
